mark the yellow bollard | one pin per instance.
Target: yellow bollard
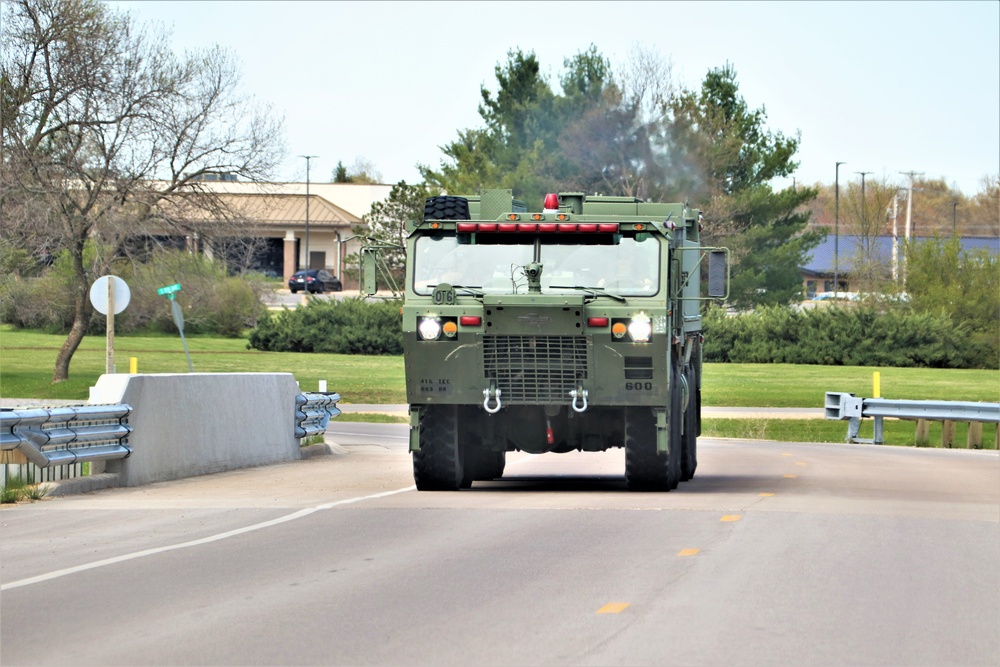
(133, 365)
(876, 385)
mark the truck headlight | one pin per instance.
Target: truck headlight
(429, 328)
(640, 328)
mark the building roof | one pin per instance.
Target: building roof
(821, 260)
(282, 208)
(271, 209)
(356, 198)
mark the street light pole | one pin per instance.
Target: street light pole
(307, 157)
(836, 228)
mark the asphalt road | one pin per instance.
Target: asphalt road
(776, 553)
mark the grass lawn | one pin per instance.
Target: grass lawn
(28, 357)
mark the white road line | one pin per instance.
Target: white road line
(194, 543)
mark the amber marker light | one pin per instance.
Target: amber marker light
(619, 329)
(449, 328)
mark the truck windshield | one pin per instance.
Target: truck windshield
(628, 268)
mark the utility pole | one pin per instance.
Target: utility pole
(954, 227)
(895, 236)
(909, 208)
(909, 201)
(836, 228)
(307, 157)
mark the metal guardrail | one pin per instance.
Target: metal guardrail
(313, 412)
(66, 435)
(840, 405)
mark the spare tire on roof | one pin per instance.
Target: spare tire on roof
(446, 208)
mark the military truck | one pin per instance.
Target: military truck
(574, 328)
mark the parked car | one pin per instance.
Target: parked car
(314, 281)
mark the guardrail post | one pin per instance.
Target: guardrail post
(948, 433)
(975, 438)
(923, 437)
(879, 432)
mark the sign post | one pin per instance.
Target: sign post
(178, 315)
(110, 295)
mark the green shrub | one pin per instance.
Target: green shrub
(843, 336)
(344, 326)
(211, 301)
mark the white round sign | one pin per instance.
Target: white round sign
(99, 294)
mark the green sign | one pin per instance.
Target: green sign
(169, 289)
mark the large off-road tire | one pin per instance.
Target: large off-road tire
(481, 464)
(675, 424)
(645, 468)
(689, 441)
(489, 464)
(446, 208)
(437, 465)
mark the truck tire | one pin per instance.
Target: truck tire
(645, 468)
(689, 446)
(446, 208)
(483, 465)
(437, 465)
(490, 464)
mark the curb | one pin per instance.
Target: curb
(321, 449)
(66, 487)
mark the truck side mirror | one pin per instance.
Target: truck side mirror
(717, 274)
(369, 271)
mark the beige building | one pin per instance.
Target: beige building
(314, 232)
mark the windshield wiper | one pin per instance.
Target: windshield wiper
(593, 291)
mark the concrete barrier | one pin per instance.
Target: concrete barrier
(199, 423)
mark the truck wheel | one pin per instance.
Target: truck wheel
(482, 465)
(446, 208)
(645, 468)
(689, 447)
(437, 465)
(490, 464)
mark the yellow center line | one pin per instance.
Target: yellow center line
(688, 552)
(790, 476)
(613, 608)
(731, 517)
(766, 494)
(800, 463)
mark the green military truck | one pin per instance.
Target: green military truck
(574, 328)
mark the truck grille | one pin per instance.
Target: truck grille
(530, 369)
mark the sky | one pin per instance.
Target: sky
(885, 87)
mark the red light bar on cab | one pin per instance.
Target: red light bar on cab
(547, 227)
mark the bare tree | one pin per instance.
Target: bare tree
(108, 135)
(868, 210)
